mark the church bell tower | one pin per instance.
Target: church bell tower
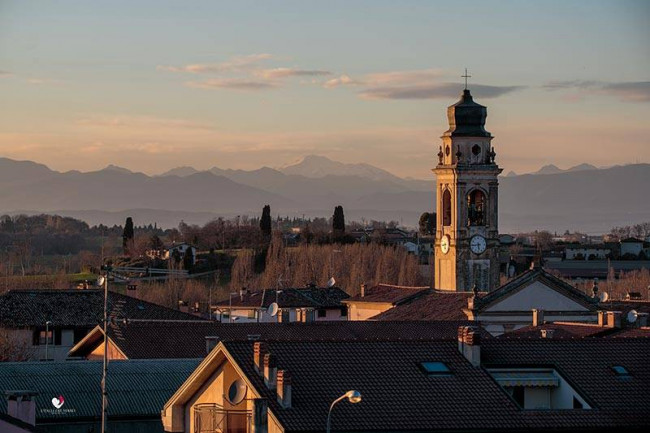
(467, 244)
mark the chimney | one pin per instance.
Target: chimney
(132, 290)
(601, 318)
(243, 292)
(284, 316)
(210, 343)
(363, 290)
(307, 315)
(260, 348)
(284, 388)
(260, 416)
(469, 344)
(21, 405)
(270, 370)
(614, 319)
(183, 306)
(538, 317)
(547, 333)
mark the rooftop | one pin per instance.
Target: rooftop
(137, 388)
(435, 305)
(306, 297)
(76, 308)
(386, 293)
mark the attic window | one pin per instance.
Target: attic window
(435, 368)
(621, 371)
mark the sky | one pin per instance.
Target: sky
(153, 85)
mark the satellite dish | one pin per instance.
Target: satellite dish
(604, 297)
(331, 282)
(273, 309)
(632, 316)
(101, 280)
(237, 392)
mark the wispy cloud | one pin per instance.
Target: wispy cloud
(139, 122)
(290, 72)
(234, 64)
(343, 80)
(631, 91)
(232, 83)
(5, 74)
(414, 84)
(435, 91)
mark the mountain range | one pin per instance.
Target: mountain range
(582, 198)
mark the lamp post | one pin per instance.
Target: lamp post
(352, 396)
(103, 281)
(47, 338)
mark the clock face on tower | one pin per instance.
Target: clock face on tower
(444, 244)
(477, 244)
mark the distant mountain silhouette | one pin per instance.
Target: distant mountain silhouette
(580, 198)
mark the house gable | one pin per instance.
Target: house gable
(536, 295)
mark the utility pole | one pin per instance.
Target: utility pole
(105, 370)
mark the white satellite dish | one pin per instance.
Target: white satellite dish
(101, 280)
(273, 309)
(331, 282)
(632, 315)
(604, 297)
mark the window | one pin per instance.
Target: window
(446, 208)
(518, 395)
(621, 372)
(435, 368)
(476, 208)
(41, 337)
(344, 311)
(322, 312)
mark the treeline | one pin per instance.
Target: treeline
(639, 231)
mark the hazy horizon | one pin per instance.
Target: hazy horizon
(151, 86)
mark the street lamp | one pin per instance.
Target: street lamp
(47, 337)
(103, 281)
(352, 396)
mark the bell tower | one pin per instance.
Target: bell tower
(467, 244)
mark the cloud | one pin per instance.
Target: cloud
(4, 74)
(290, 72)
(343, 80)
(139, 122)
(232, 83)
(631, 91)
(395, 78)
(435, 91)
(234, 64)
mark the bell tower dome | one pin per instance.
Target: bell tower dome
(466, 248)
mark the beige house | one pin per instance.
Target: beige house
(377, 299)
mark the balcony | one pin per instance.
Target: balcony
(212, 418)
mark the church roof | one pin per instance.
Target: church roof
(466, 118)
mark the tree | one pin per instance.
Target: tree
(427, 223)
(265, 222)
(188, 259)
(127, 236)
(338, 222)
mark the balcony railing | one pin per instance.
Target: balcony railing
(212, 418)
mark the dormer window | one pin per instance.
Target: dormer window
(538, 388)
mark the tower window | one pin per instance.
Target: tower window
(476, 149)
(446, 208)
(476, 208)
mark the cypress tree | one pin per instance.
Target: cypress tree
(338, 221)
(127, 236)
(265, 222)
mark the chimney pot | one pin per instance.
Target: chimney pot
(270, 371)
(363, 290)
(547, 333)
(260, 416)
(601, 318)
(614, 319)
(538, 317)
(260, 348)
(284, 388)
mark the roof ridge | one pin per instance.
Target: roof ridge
(395, 286)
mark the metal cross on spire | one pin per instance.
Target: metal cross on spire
(466, 77)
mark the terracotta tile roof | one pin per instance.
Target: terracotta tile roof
(643, 332)
(399, 397)
(311, 297)
(436, 305)
(76, 308)
(389, 294)
(156, 339)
